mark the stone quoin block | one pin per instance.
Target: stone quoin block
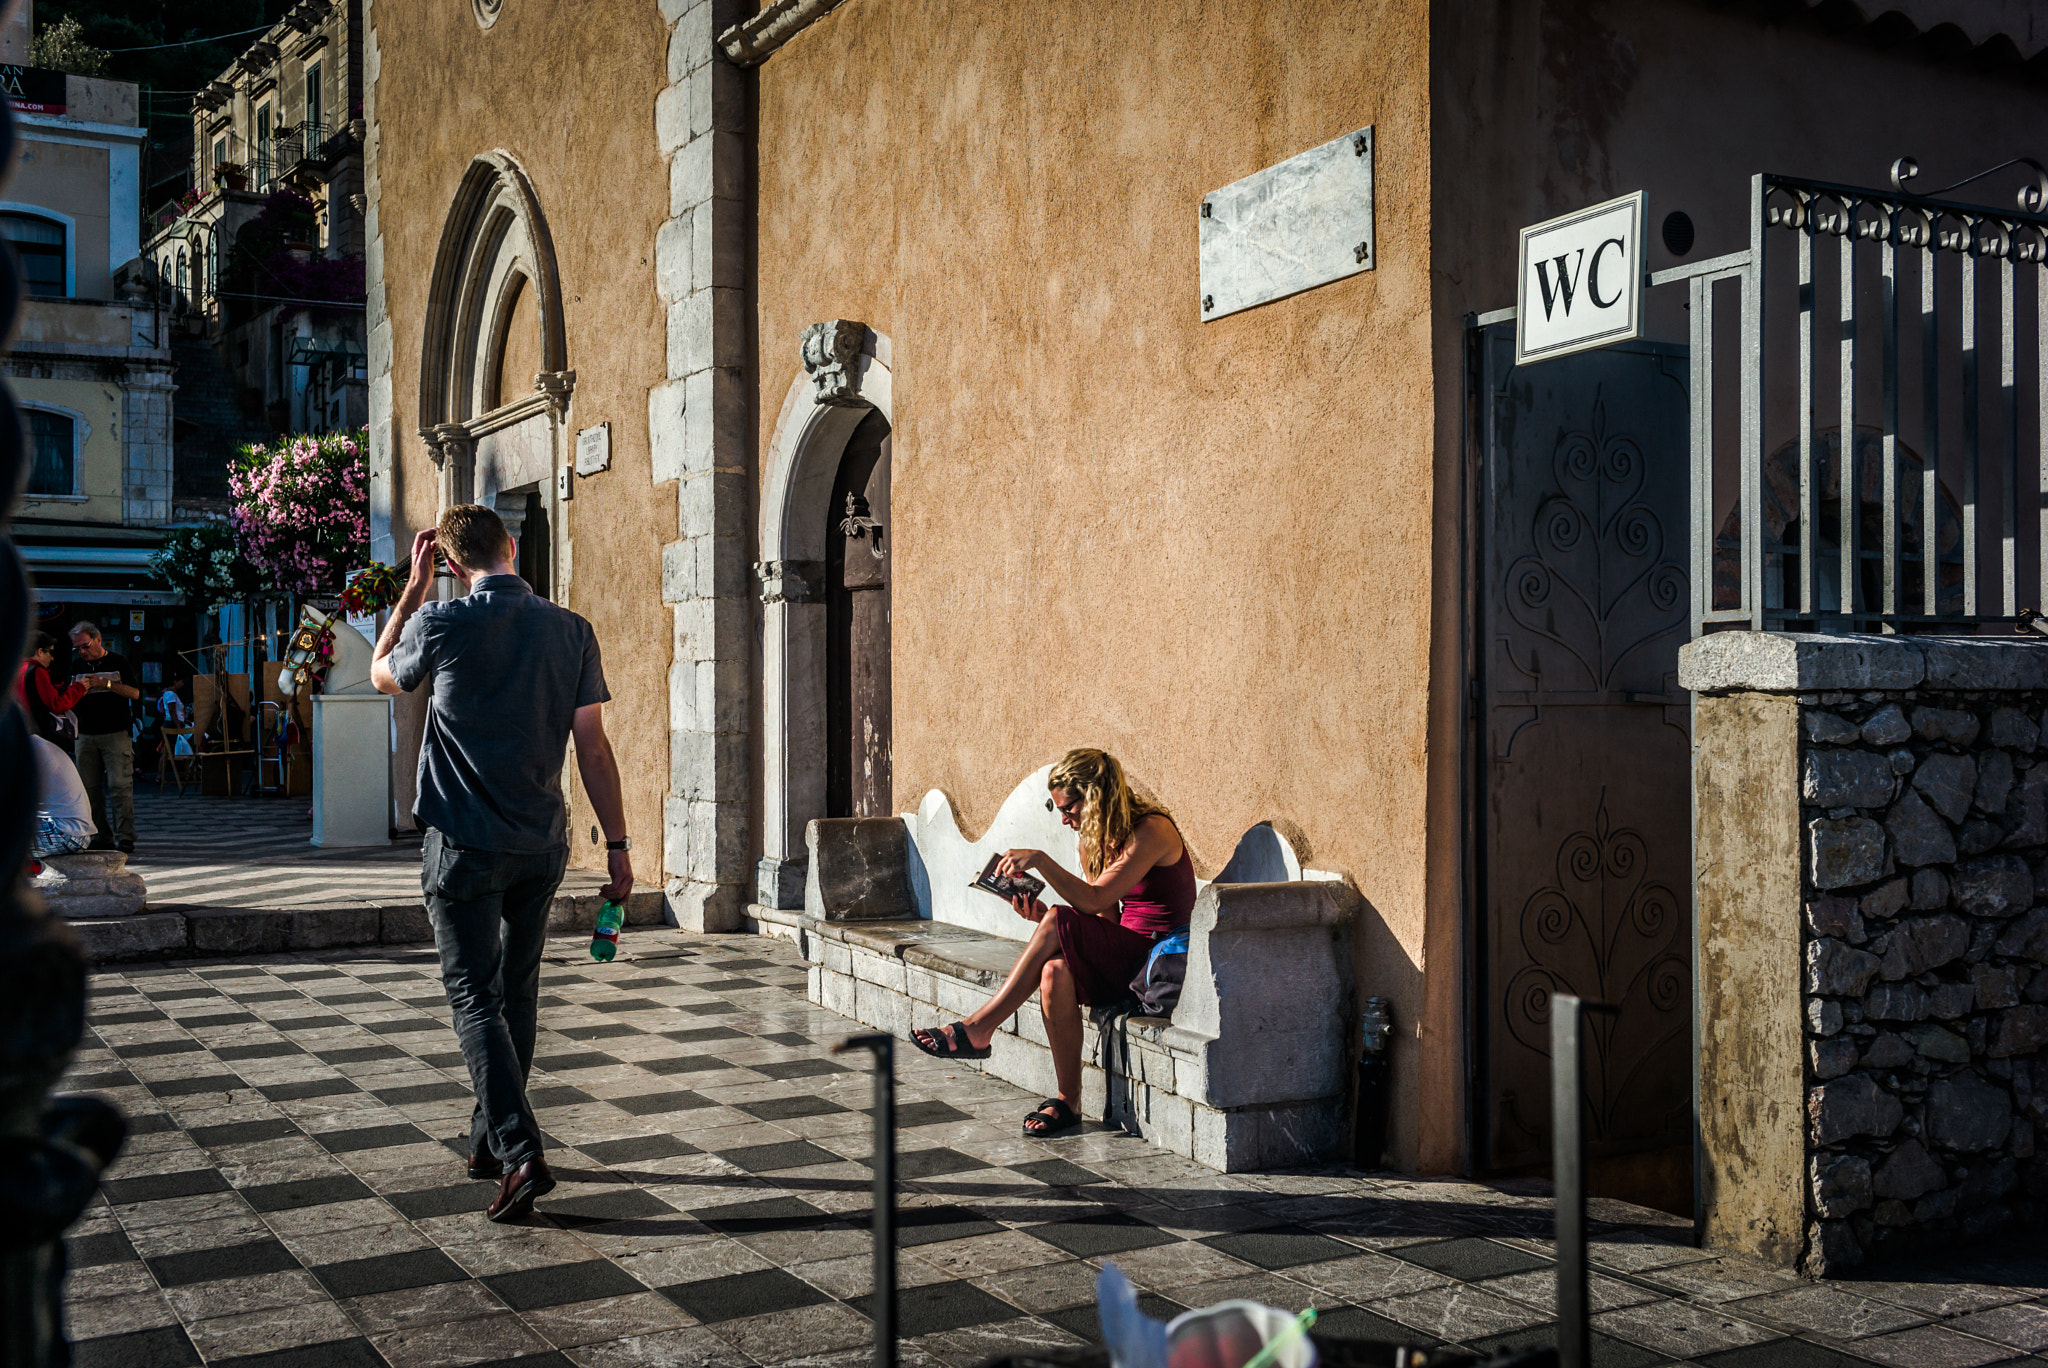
(1851, 1106)
(1846, 851)
(1847, 778)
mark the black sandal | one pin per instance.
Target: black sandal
(952, 1042)
(1054, 1117)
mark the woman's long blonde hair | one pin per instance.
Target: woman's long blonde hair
(1110, 810)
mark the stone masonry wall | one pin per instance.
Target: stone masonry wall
(1925, 998)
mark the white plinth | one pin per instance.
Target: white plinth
(351, 770)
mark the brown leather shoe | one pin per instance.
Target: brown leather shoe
(486, 1166)
(519, 1188)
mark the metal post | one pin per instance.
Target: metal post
(1568, 1174)
(883, 1303)
(1752, 430)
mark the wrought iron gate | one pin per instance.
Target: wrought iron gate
(1584, 837)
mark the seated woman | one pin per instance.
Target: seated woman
(1140, 886)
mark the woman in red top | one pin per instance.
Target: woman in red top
(40, 696)
(1140, 886)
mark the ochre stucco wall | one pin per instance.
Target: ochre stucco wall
(100, 466)
(574, 104)
(72, 180)
(1203, 546)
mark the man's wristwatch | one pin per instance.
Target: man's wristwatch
(625, 844)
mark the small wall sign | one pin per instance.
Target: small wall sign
(134, 619)
(594, 449)
(1581, 280)
(1301, 223)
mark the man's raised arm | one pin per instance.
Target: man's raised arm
(417, 584)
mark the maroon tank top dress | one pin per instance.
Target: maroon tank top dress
(1104, 955)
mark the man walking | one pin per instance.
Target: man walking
(105, 749)
(513, 677)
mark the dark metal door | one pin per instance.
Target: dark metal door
(857, 628)
(1585, 831)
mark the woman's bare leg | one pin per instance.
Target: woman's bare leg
(981, 1023)
(1060, 1006)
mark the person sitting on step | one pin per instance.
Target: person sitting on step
(1140, 885)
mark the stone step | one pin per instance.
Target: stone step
(171, 932)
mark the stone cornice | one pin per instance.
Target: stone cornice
(750, 42)
(1801, 662)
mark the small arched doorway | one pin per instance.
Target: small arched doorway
(857, 701)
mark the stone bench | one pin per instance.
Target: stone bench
(1251, 1071)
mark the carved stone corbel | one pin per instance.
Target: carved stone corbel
(790, 581)
(557, 386)
(831, 354)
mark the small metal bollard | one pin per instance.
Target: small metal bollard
(1568, 1175)
(883, 1048)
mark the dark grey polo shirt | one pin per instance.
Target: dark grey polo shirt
(510, 670)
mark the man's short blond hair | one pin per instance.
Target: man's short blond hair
(473, 537)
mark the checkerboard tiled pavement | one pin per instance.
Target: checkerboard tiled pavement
(292, 1196)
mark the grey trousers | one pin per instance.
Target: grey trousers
(106, 762)
(490, 914)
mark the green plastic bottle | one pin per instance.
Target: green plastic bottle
(605, 944)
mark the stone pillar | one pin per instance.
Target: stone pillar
(700, 433)
(146, 444)
(383, 456)
(1870, 832)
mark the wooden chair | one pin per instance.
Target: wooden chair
(168, 762)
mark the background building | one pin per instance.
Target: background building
(91, 365)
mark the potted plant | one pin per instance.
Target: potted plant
(233, 175)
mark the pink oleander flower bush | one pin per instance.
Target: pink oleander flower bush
(302, 510)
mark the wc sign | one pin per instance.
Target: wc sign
(1581, 281)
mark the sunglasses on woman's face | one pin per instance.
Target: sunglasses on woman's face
(1072, 809)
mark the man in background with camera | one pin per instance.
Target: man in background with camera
(512, 677)
(105, 749)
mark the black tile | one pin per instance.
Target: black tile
(305, 1192)
(1355, 1323)
(426, 1000)
(729, 985)
(159, 1187)
(186, 1087)
(1110, 1232)
(270, 1049)
(570, 1063)
(929, 1225)
(602, 1031)
(1057, 1173)
(308, 1087)
(747, 964)
(1466, 1260)
(743, 1294)
(784, 1154)
(1784, 1353)
(628, 1004)
(111, 990)
(423, 1092)
(310, 1023)
(531, 1289)
(148, 1049)
(218, 1019)
(638, 1149)
(768, 1214)
(400, 977)
(389, 1273)
(912, 1114)
(348, 1353)
(1608, 1352)
(303, 975)
(126, 1019)
(233, 971)
(789, 1108)
(91, 1251)
(274, 995)
(164, 1348)
(242, 1132)
(348, 999)
(151, 1123)
(1281, 1247)
(695, 1034)
(683, 1064)
(649, 1104)
(556, 1095)
(550, 1000)
(401, 1025)
(602, 1208)
(708, 1008)
(936, 1162)
(937, 1307)
(799, 1068)
(359, 1054)
(1082, 1320)
(791, 1039)
(370, 1137)
(553, 1358)
(444, 1201)
(211, 1265)
(445, 1059)
(174, 994)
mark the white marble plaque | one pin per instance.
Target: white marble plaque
(1289, 228)
(594, 449)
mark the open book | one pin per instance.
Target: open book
(1006, 887)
